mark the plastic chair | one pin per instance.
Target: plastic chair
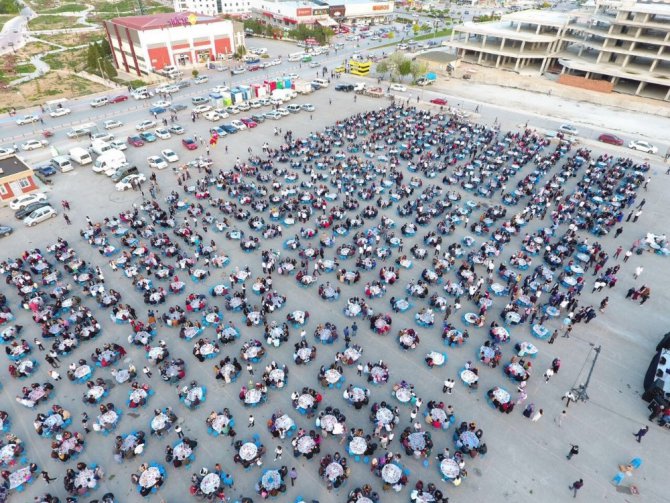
(636, 463)
(618, 478)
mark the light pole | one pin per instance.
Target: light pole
(102, 74)
(579, 392)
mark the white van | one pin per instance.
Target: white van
(321, 82)
(109, 162)
(99, 147)
(62, 163)
(100, 102)
(296, 56)
(80, 156)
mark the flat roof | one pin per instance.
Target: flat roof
(503, 30)
(12, 166)
(164, 20)
(541, 17)
(661, 9)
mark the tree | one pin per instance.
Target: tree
(92, 58)
(415, 28)
(195, 73)
(405, 68)
(108, 68)
(418, 69)
(105, 49)
(382, 67)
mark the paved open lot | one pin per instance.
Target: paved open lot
(525, 460)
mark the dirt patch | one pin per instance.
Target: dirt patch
(75, 39)
(52, 86)
(31, 49)
(74, 59)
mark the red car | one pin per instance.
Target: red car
(438, 101)
(610, 138)
(254, 68)
(189, 143)
(135, 141)
(119, 99)
(249, 122)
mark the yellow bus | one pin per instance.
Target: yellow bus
(361, 68)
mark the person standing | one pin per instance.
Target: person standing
(553, 336)
(638, 270)
(574, 450)
(538, 415)
(448, 386)
(252, 421)
(576, 486)
(278, 452)
(293, 474)
(618, 252)
(560, 418)
(47, 479)
(548, 374)
(641, 433)
(179, 432)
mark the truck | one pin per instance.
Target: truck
(80, 156)
(284, 94)
(302, 87)
(109, 162)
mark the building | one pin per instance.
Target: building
(16, 178)
(143, 44)
(525, 40)
(626, 44)
(213, 7)
(324, 12)
(612, 46)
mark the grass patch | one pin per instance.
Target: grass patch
(121, 5)
(70, 7)
(29, 50)
(52, 22)
(74, 59)
(76, 39)
(25, 68)
(437, 34)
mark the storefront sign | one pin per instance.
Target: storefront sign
(380, 7)
(304, 11)
(319, 12)
(337, 11)
(191, 19)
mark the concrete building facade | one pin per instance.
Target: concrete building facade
(213, 7)
(626, 43)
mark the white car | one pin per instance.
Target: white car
(308, 107)
(169, 155)
(27, 119)
(273, 115)
(314, 64)
(118, 144)
(40, 215)
(34, 144)
(274, 62)
(643, 146)
(568, 129)
(212, 116)
(222, 113)
(264, 101)
(6, 152)
(232, 109)
(244, 107)
(220, 89)
(127, 182)
(398, 87)
(101, 137)
(171, 89)
(60, 112)
(294, 108)
(176, 129)
(161, 104)
(157, 162)
(282, 111)
(255, 104)
(163, 133)
(239, 125)
(111, 124)
(201, 109)
(293, 76)
(144, 125)
(22, 201)
(200, 79)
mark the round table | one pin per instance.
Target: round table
(358, 445)
(306, 444)
(150, 477)
(403, 395)
(271, 480)
(469, 440)
(333, 471)
(384, 416)
(305, 401)
(391, 473)
(449, 468)
(469, 377)
(248, 451)
(501, 395)
(210, 483)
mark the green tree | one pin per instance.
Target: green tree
(415, 28)
(92, 58)
(195, 73)
(405, 68)
(108, 68)
(418, 69)
(105, 49)
(382, 67)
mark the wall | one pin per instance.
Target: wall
(10, 194)
(602, 86)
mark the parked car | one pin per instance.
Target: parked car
(199, 100)
(439, 101)
(40, 215)
(22, 201)
(127, 182)
(101, 136)
(237, 71)
(211, 116)
(189, 143)
(239, 125)
(228, 128)
(273, 115)
(177, 108)
(45, 170)
(307, 107)
(156, 162)
(148, 137)
(176, 129)
(118, 99)
(568, 129)
(258, 118)
(24, 212)
(201, 109)
(200, 79)
(144, 125)
(157, 110)
(169, 155)
(5, 230)
(118, 144)
(232, 109)
(34, 144)
(611, 139)
(163, 133)
(60, 112)
(27, 119)
(112, 123)
(347, 88)
(643, 146)
(398, 87)
(250, 123)
(6, 152)
(294, 108)
(135, 141)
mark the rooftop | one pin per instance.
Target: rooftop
(164, 20)
(11, 166)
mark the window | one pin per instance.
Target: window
(3, 190)
(24, 183)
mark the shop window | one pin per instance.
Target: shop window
(24, 183)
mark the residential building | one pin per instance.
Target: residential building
(16, 178)
(144, 44)
(324, 12)
(213, 7)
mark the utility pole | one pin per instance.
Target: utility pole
(579, 392)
